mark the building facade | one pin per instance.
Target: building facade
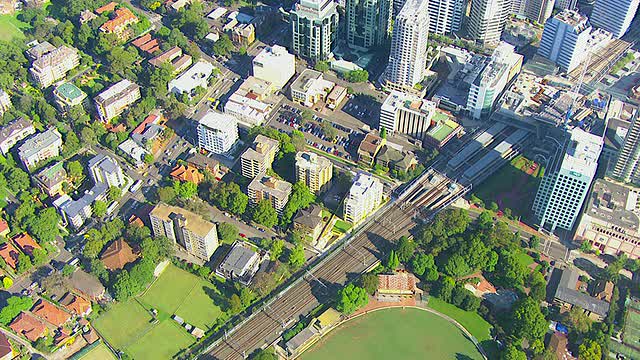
(313, 170)
(364, 197)
(310, 87)
(14, 132)
(406, 114)
(275, 65)
(112, 102)
(408, 55)
(538, 10)
(217, 132)
(368, 23)
(104, 169)
(615, 16)
(566, 183)
(40, 147)
(68, 95)
(196, 235)
(626, 168)
(267, 187)
(445, 16)
(259, 157)
(487, 19)
(5, 102)
(54, 65)
(314, 25)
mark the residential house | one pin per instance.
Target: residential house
(67, 95)
(86, 16)
(204, 163)
(312, 333)
(87, 285)
(118, 23)
(54, 65)
(9, 254)
(134, 151)
(268, 187)
(50, 313)
(76, 305)
(28, 326)
(147, 44)
(40, 147)
(258, 157)
(4, 228)
(7, 7)
(118, 254)
(243, 34)
(187, 173)
(51, 179)
(479, 285)
(309, 221)
(604, 290)
(397, 287)
(310, 87)
(241, 263)
(369, 148)
(106, 8)
(175, 5)
(14, 132)
(6, 352)
(559, 346)
(196, 76)
(564, 289)
(175, 57)
(393, 159)
(26, 243)
(112, 101)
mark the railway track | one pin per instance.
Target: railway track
(320, 284)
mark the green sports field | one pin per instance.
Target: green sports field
(100, 352)
(162, 342)
(395, 334)
(11, 28)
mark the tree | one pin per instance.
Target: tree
(527, 320)
(266, 354)
(370, 283)
(75, 171)
(405, 249)
(185, 190)
(589, 350)
(166, 194)
(235, 304)
(351, 298)
(88, 136)
(39, 256)
(45, 226)
(538, 286)
(456, 266)
(68, 270)
(300, 198)
(296, 256)
(114, 193)
(578, 320)
(15, 305)
(275, 249)
(17, 180)
(512, 272)
(306, 115)
(357, 76)
(227, 232)
(328, 130)
(264, 214)
(148, 159)
(493, 206)
(99, 208)
(383, 133)
(24, 263)
(223, 46)
(392, 261)
(425, 267)
(322, 66)
(7, 282)
(511, 352)
(534, 242)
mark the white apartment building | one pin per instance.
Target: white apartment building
(196, 76)
(217, 132)
(364, 197)
(568, 38)
(487, 19)
(627, 163)
(5, 102)
(275, 65)
(368, 23)
(314, 28)
(112, 102)
(104, 169)
(614, 16)
(54, 65)
(406, 114)
(310, 87)
(246, 110)
(492, 79)
(566, 182)
(259, 157)
(445, 16)
(196, 235)
(538, 10)
(408, 55)
(14, 132)
(40, 147)
(267, 187)
(313, 170)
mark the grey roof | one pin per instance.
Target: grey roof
(238, 259)
(104, 162)
(40, 49)
(86, 284)
(202, 161)
(610, 135)
(566, 292)
(301, 338)
(37, 142)
(150, 132)
(51, 175)
(610, 202)
(75, 207)
(16, 125)
(301, 83)
(476, 144)
(310, 217)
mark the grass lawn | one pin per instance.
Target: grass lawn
(395, 334)
(514, 186)
(123, 323)
(341, 226)
(179, 292)
(162, 342)
(524, 258)
(100, 352)
(11, 28)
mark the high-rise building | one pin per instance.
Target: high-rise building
(217, 132)
(196, 235)
(314, 25)
(267, 187)
(568, 38)
(445, 16)
(112, 102)
(313, 170)
(408, 56)
(274, 64)
(627, 163)
(538, 10)
(364, 197)
(368, 23)
(566, 181)
(615, 16)
(487, 19)
(259, 157)
(565, 4)
(54, 65)
(105, 169)
(406, 114)
(493, 77)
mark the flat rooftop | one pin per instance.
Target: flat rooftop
(194, 222)
(614, 203)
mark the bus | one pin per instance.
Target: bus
(136, 185)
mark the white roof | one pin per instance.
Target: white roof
(218, 121)
(132, 149)
(212, 36)
(362, 183)
(583, 152)
(193, 77)
(217, 13)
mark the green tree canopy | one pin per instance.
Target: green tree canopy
(264, 214)
(227, 232)
(351, 298)
(99, 208)
(296, 256)
(15, 304)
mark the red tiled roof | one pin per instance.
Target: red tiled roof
(10, 255)
(91, 336)
(109, 7)
(142, 40)
(401, 281)
(123, 17)
(151, 119)
(75, 304)
(150, 45)
(50, 313)
(28, 326)
(5, 346)
(187, 173)
(26, 243)
(3, 226)
(117, 255)
(166, 56)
